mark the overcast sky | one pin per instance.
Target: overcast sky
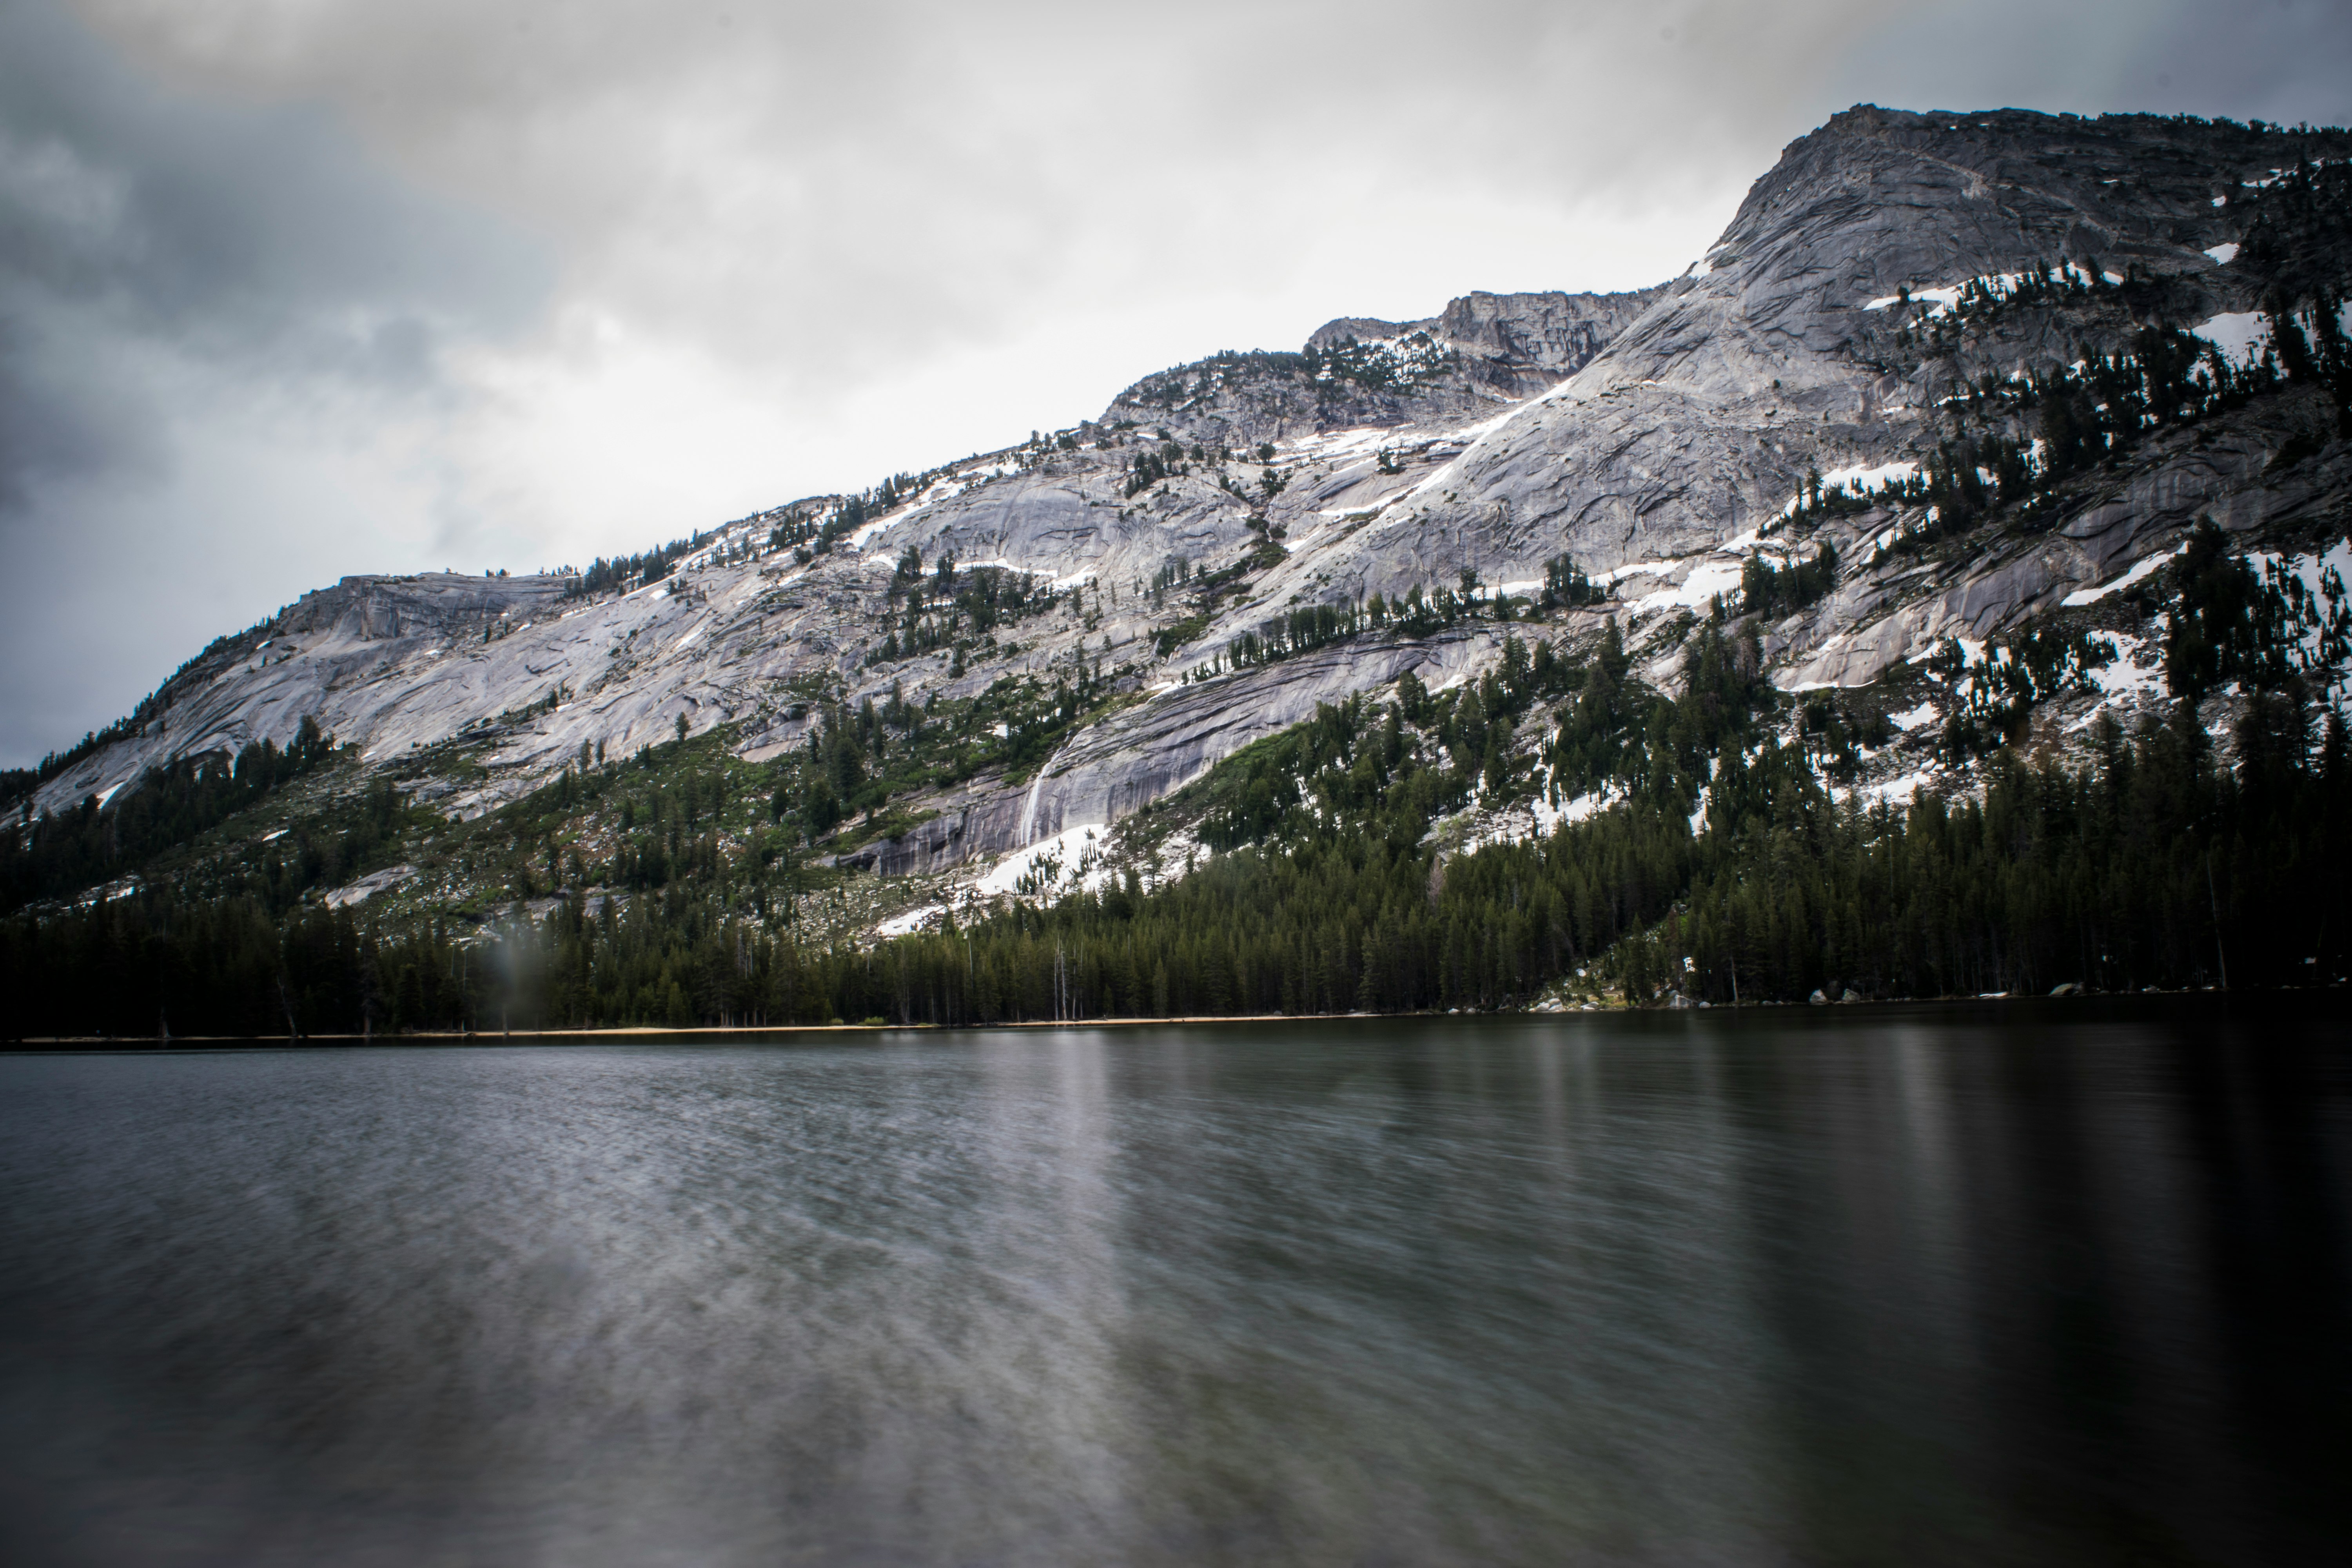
(293, 288)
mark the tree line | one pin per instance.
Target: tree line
(57, 853)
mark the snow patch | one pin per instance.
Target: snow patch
(367, 887)
(2124, 680)
(2223, 255)
(1469, 435)
(2141, 571)
(911, 921)
(864, 533)
(2324, 578)
(1892, 792)
(1870, 474)
(1915, 718)
(1070, 861)
(1944, 297)
(2241, 336)
(1585, 808)
(1338, 443)
(1526, 821)
(1468, 438)
(1633, 569)
(2313, 569)
(1859, 477)
(2125, 675)
(1706, 581)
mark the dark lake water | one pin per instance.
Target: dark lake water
(2016, 1284)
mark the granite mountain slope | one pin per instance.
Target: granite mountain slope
(1881, 287)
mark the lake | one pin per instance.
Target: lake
(2058, 1282)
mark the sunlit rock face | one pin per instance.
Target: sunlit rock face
(1655, 436)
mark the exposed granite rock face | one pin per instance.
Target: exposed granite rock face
(2223, 472)
(1701, 418)
(1526, 344)
(1482, 353)
(1649, 435)
(1145, 751)
(1514, 343)
(397, 659)
(437, 604)
(2227, 470)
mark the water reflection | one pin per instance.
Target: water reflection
(1881, 1286)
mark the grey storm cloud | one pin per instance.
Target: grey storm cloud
(544, 255)
(824, 191)
(259, 239)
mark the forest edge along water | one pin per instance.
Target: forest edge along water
(2317, 1001)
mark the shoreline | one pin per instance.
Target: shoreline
(728, 1031)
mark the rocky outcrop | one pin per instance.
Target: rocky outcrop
(386, 609)
(1523, 344)
(1516, 344)
(1481, 352)
(1137, 755)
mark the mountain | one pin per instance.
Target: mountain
(1922, 447)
